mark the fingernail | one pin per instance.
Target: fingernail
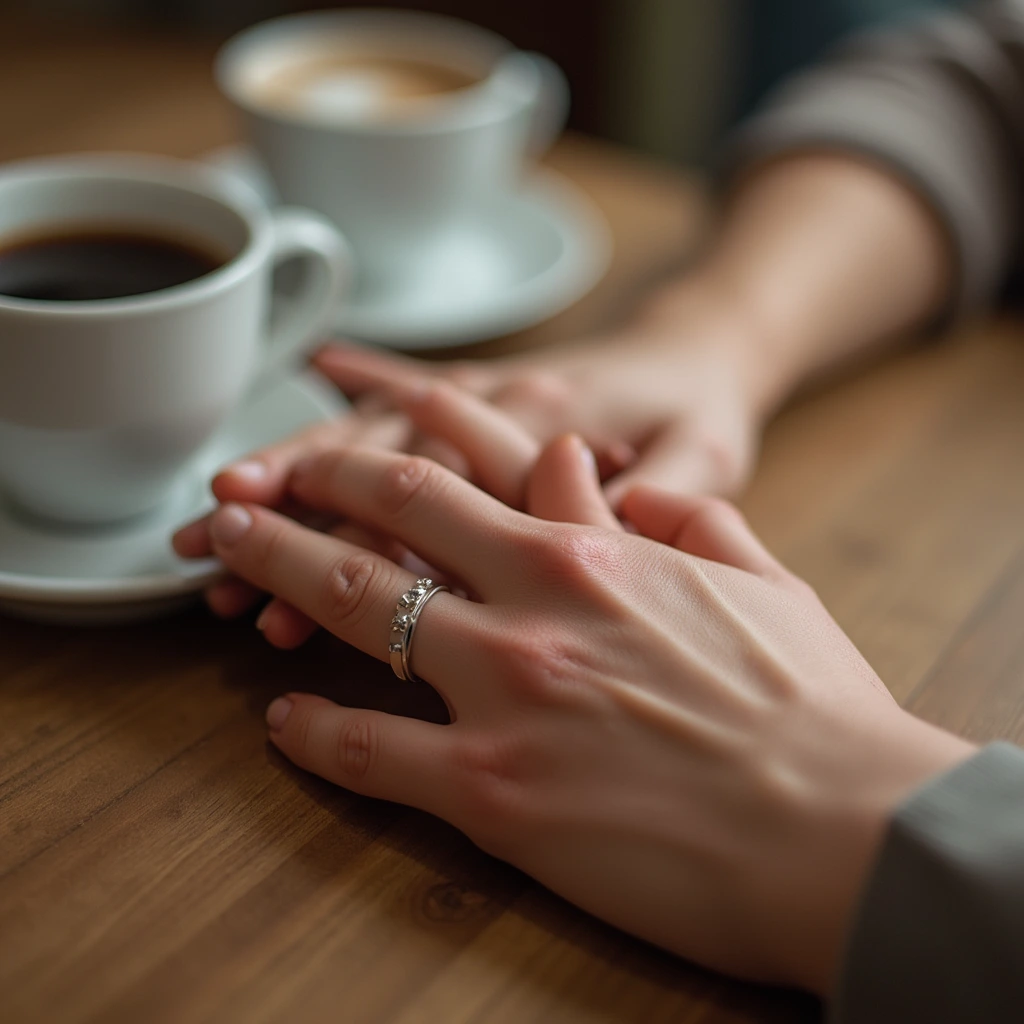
(261, 621)
(250, 470)
(230, 524)
(586, 455)
(278, 712)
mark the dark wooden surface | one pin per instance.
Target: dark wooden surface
(158, 862)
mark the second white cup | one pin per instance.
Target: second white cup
(396, 186)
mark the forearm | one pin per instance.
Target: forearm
(819, 258)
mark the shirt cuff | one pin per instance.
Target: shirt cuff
(939, 935)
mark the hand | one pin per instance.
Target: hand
(481, 438)
(669, 730)
(674, 400)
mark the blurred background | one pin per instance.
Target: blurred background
(665, 76)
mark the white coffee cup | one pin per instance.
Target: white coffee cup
(396, 186)
(103, 403)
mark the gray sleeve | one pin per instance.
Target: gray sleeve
(938, 102)
(939, 936)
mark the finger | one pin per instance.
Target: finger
(230, 598)
(706, 527)
(357, 370)
(564, 486)
(362, 536)
(500, 453)
(369, 752)
(262, 477)
(349, 591)
(444, 519)
(441, 452)
(372, 404)
(193, 540)
(670, 461)
(541, 402)
(285, 626)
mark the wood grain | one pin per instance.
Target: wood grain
(158, 862)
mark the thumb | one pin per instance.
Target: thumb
(708, 528)
(564, 486)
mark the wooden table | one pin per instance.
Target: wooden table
(158, 862)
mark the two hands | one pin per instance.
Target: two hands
(678, 401)
(667, 728)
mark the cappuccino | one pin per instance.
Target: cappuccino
(353, 87)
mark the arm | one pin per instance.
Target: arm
(819, 257)
(667, 729)
(682, 691)
(874, 197)
(909, 211)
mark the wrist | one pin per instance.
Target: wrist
(891, 764)
(706, 311)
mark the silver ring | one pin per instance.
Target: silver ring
(407, 612)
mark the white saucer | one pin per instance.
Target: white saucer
(117, 574)
(539, 252)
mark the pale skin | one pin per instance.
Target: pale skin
(819, 259)
(667, 729)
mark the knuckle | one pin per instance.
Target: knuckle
(573, 554)
(408, 479)
(358, 747)
(347, 587)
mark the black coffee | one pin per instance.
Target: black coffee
(73, 266)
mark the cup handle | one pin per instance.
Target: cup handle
(552, 108)
(325, 268)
